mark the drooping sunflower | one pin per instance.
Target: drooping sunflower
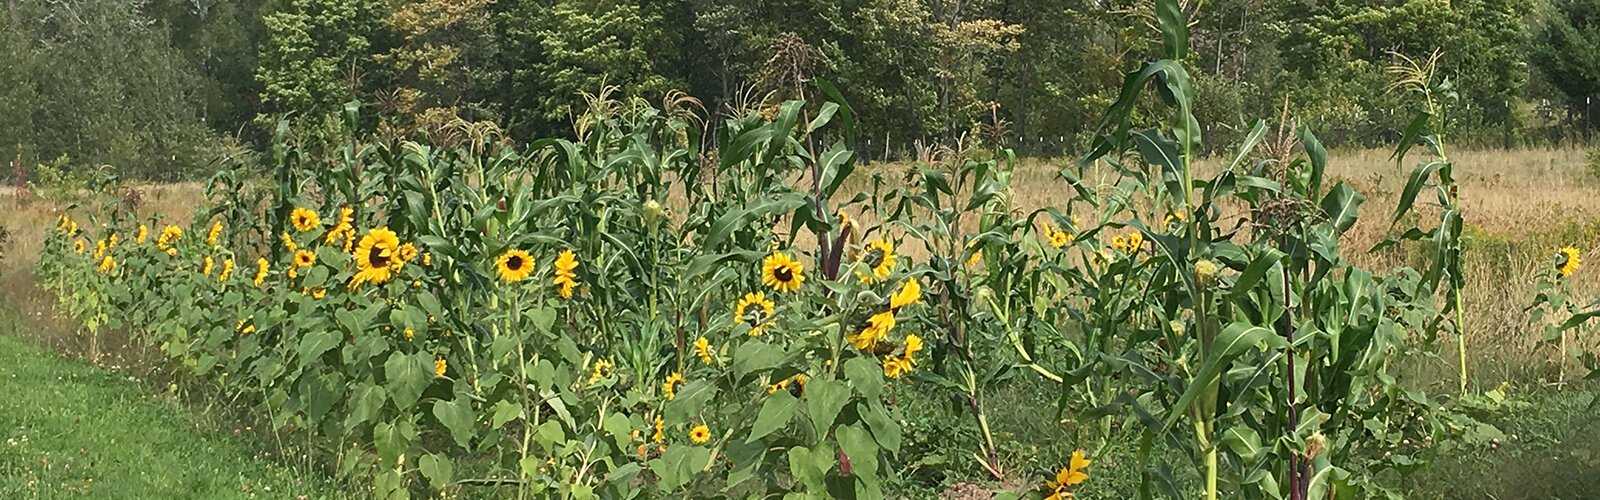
(670, 386)
(798, 381)
(111, 241)
(1570, 261)
(566, 275)
(879, 258)
(304, 219)
(344, 229)
(909, 293)
(753, 310)
(1056, 237)
(72, 227)
(227, 270)
(875, 330)
(288, 243)
(376, 257)
(1071, 475)
(206, 265)
(702, 348)
(261, 271)
(107, 265)
(700, 434)
(514, 265)
(139, 236)
(317, 293)
(168, 236)
(782, 273)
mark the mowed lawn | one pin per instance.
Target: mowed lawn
(71, 430)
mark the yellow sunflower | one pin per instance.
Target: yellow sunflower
(261, 271)
(77, 246)
(798, 380)
(601, 369)
(702, 348)
(670, 387)
(205, 266)
(111, 241)
(227, 270)
(439, 366)
(376, 260)
(1056, 237)
(909, 293)
(566, 277)
(408, 252)
(700, 434)
(753, 310)
(168, 236)
(107, 265)
(895, 366)
(138, 237)
(72, 228)
(214, 234)
(1570, 261)
(879, 258)
(317, 293)
(514, 265)
(876, 329)
(782, 273)
(1072, 475)
(304, 258)
(304, 219)
(661, 430)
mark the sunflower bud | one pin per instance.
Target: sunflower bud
(1205, 273)
(651, 213)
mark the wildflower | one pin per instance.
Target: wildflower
(227, 270)
(909, 293)
(409, 334)
(1570, 262)
(72, 228)
(139, 236)
(345, 229)
(168, 236)
(261, 271)
(216, 232)
(439, 365)
(408, 252)
(670, 387)
(601, 369)
(752, 310)
(427, 259)
(375, 257)
(566, 278)
(1055, 237)
(879, 258)
(876, 329)
(205, 266)
(304, 219)
(1072, 475)
(798, 380)
(782, 273)
(514, 265)
(99, 248)
(700, 434)
(107, 265)
(661, 430)
(702, 348)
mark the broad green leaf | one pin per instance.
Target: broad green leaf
(774, 415)
(824, 399)
(457, 416)
(405, 377)
(439, 470)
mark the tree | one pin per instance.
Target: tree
(319, 55)
(1568, 52)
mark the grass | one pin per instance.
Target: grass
(70, 430)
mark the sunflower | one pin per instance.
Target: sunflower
(876, 329)
(566, 278)
(205, 266)
(304, 219)
(752, 310)
(214, 234)
(317, 293)
(909, 293)
(439, 366)
(408, 252)
(61, 224)
(782, 273)
(879, 258)
(288, 243)
(702, 348)
(1072, 475)
(670, 387)
(111, 241)
(601, 369)
(107, 265)
(261, 271)
(514, 265)
(99, 248)
(77, 246)
(700, 434)
(375, 257)
(345, 229)
(139, 236)
(895, 366)
(661, 430)
(304, 258)
(168, 236)
(1059, 238)
(427, 258)
(227, 270)
(798, 380)
(72, 228)
(1570, 262)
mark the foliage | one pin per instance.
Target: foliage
(1568, 51)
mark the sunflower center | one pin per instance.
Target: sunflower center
(873, 257)
(751, 313)
(784, 274)
(514, 263)
(378, 256)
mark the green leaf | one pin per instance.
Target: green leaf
(458, 417)
(437, 468)
(1340, 206)
(1267, 259)
(811, 467)
(1234, 341)
(857, 444)
(678, 465)
(775, 414)
(824, 400)
(1409, 137)
(406, 376)
(690, 399)
(315, 343)
(1174, 28)
(1408, 195)
(866, 376)
(755, 356)
(504, 411)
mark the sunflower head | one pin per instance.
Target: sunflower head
(514, 265)
(206, 265)
(670, 386)
(439, 366)
(879, 258)
(408, 252)
(261, 271)
(377, 257)
(700, 434)
(77, 246)
(873, 331)
(214, 234)
(702, 348)
(909, 293)
(304, 258)
(1570, 261)
(566, 276)
(753, 308)
(107, 265)
(141, 234)
(781, 272)
(304, 219)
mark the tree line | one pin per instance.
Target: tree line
(159, 88)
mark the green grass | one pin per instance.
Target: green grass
(70, 430)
